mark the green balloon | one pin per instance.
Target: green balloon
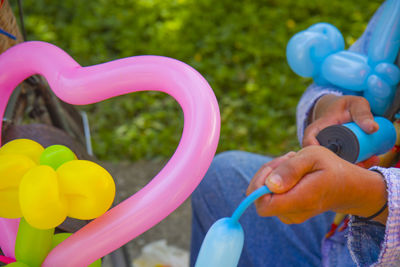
(58, 238)
(17, 264)
(56, 155)
(32, 245)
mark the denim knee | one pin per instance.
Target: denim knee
(221, 169)
(219, 191)
(226, 173)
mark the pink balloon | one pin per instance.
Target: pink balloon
(85, 85)
(8, 234)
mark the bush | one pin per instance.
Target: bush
(239, 47)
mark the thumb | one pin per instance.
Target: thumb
(290, 172)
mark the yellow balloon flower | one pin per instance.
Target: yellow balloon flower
(12, 169)
(25, 147)
(89, 189)
(43, 205)
(46, 194)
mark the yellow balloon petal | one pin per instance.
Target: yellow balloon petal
(88, 188)
(12, 169)
(42, 203)
(26, 147)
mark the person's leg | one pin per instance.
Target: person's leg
(268, 242)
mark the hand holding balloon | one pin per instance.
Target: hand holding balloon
(310, 182)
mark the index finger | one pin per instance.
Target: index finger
(361, 114)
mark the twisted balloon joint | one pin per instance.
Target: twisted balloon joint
(318, 52)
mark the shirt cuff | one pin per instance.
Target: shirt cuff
(371, 243)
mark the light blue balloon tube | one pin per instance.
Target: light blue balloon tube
(351, 143)
(223, 243)
(249, 200)
(384, 44)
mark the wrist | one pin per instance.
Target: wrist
(320, 105)
(370, 196)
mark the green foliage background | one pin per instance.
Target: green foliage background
(239, 47)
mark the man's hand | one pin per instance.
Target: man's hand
(332, 109)
(315, 180)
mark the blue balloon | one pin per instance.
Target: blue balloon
(379, 94)
(223, 243)
(389, 72)
(307, 49)
(318, 52)
(384, 43)
(347, 70)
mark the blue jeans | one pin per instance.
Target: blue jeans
(268, 242)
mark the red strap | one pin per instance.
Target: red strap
(5, 259)
(397, 165)
(345, 224)
(332, 230)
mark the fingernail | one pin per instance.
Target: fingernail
(370, 124)
(274, 180)
(265, 172)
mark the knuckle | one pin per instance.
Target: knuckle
(362, 101)
(309, 151)
(360, 105)
(344, 100)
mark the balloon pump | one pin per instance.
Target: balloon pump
(351, 143)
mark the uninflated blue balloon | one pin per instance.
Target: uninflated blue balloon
(223, 243)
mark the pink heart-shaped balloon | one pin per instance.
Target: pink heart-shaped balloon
(85, 85)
